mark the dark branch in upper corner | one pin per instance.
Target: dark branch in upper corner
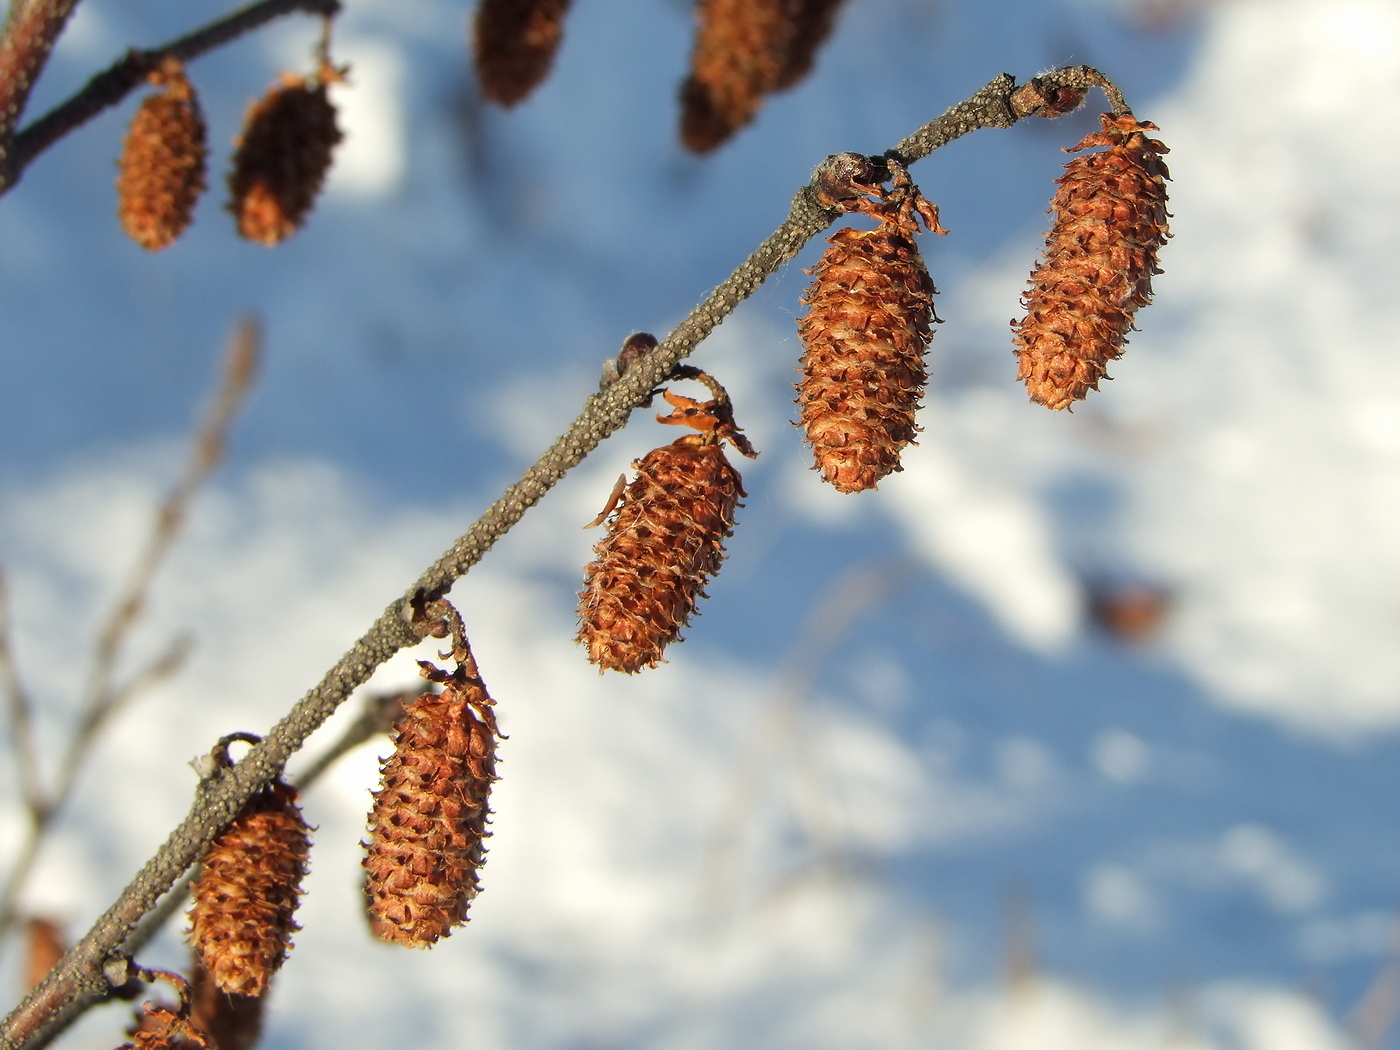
(78, 982)
(114, 83)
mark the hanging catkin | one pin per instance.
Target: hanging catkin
(163, 160)
(428, 824)
(665, 539)
(241, 920)
(231, 1021)
(283, 156)
(869, 309)
(514, 44)
(1100, 256)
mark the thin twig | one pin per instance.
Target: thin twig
(118, 80)
(21, 717)
(78, 983)
(104, 697)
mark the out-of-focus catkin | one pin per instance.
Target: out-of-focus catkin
(867, 326)
(163, 161)
(241, 920)
(428, 824)
(283, 156)
(745, 49)
(514, 42)
(665, 539)
(1100, 256)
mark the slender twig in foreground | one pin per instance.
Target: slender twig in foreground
(21, 716)
(79, 982)
(118, 80)
(104, 697)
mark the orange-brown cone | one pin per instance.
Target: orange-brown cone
(282, 158)
(241, 920)
(162, 163)
(741, 52)
(229, 1020)
(869, 309)
(45, 943)
(665, 540)
(812, 24)
(514, 43)
(1100, 256)
(428, 824)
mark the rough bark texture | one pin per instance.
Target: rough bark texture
(428, 824)
(282, 158)
(665, 540)
(241, 920)
(163, 162)
(1100, 256)
(514, 42)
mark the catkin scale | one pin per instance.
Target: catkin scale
(665, 539)
(241, 919)
(282, 158)
(514, 42)
(428, 823)
(162, 1027)
(867, 326)
(1100, 257)
(162, 166)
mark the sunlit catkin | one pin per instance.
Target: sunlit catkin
(665, 539)
(1100, 256)
(514, 42)
(867, 326)
(283, 156)
(241, 920)
(163, 160)
(428, 825)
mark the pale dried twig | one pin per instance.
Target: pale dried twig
(21, 716)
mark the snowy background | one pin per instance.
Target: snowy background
(897, 789)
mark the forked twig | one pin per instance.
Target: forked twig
(78, 981)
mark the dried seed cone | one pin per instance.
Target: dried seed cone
(741, 52)
(229, 1020)
(241, 920)
(163, 162)
(865, 331)
(812, 24)
(665, 540)
(282, 158)
(428, 824)
(1100, 256)
(515, 42)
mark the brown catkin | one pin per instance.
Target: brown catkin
(428, 824)
(163, 161)
(514, 42)
(741, 52)
(869, 309)
(45, 943)
(241, 920)
(229, 1020)
(282, 157)
(665, 540)
(1100, 256)
(812, 24)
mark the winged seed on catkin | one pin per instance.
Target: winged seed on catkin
(867, 326)
(1100, 257)
(428, 824)
(161, 171)
(241, 919)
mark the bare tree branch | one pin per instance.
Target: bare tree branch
(113, 84)
(26, 40)
(78, 982)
